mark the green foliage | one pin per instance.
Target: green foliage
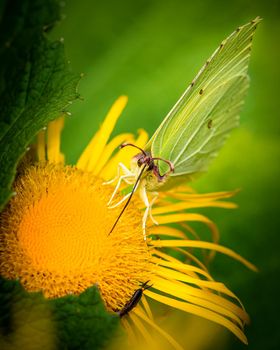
(83, 322)
(72, 322)
(36, 84)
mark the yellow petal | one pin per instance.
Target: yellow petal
(124, 155)
(220, 287)
(53, 144)
(182, 189)
(129, 330)
(173, 232)
(202, 197)
(202, 271)
(111, 168)
(202, 298)
(167, 231)
(147, 307)
(199, 311)
(204, 245)
(41, 146)
(189, 205)
(173, 218)
(91, 154)
(142, 138)
(191, 257)
(168, 337)
(109, 149)
(142, 329)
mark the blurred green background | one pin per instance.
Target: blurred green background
(151, 50)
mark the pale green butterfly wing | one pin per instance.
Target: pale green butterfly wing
(197, 126)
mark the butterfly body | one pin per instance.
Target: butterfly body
(151, 177)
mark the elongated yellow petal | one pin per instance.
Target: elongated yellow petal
(91, 154)
(88, 152)
(220, 287)
(142, 138)
(199, 311)
(182, 189)
(189, 229)
(174, 232)
(189, 205)
(172, 341)
(183, 267)
(202, 271)
(124, 155)
(204, 245)
(142, 329)
(129, 330)
(110, 169)
(147, 307)
(173, 218)
(201, 197)
(191, 257)
(167, 231)
(109, 149)
(53, 143)
(200, 297)
(41, 146)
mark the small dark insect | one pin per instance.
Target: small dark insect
(209, 124)
(134, 300)
(201, 92)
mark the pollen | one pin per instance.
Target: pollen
(55, 237)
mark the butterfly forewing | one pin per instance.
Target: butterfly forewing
(197, 126)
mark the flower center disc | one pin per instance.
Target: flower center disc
(55, 236)
(59, 231)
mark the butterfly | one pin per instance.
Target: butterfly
(197, 126)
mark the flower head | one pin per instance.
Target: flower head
(55, 235)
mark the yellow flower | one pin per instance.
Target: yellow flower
(54, 236)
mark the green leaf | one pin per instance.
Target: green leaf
(29, 321)
(36, 84)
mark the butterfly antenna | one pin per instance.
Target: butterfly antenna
(129, 198)
(132, 145)
(170, 164)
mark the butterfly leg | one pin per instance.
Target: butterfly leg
(119, 202)
(123, 199)
(121, 178)
(125, 170)
(155, 194)
(145, 199)
(127, 174)
(148, 210)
